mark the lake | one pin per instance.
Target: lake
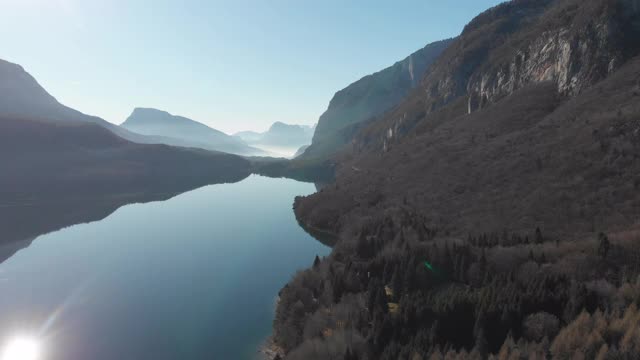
(192, 277)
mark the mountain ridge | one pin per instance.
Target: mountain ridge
(280, 137)
(369, 97)
(184, 131)
(492, 213)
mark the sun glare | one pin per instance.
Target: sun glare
(21, 348)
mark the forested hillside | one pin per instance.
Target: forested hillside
(493, 213)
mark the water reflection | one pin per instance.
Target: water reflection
(194, 277)
(24, 219)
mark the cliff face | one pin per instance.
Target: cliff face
(526, 126)
(369, 97)
(500, 97)
(572, 44)
(592, 40)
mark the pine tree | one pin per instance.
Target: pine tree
(348, 355)
(603, 245)
(539, 237)
(396, 283)
(363, 246)
(372, 295)
(381, 302)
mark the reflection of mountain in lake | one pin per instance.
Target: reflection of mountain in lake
(23, 221)
(7, 250)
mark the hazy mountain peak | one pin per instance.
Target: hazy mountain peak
(155, 122)
(279, 125)
(281, 138)
(20, 90)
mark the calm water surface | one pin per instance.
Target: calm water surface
(193, 277)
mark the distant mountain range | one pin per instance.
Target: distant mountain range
(22, 97)
(179, 130)
(280, 136)
(48, 150)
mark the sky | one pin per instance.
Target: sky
(234, 65)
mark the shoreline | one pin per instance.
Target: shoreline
(269, 350)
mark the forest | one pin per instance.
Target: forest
(414, 293)
(494, 212)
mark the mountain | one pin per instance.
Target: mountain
(22, 97)
(61, 175)
(250, 137)
(281, 134)
(49, 151)
(178, 130)
(44, 160)
(516, 72)
(281, 138)
(492, 213)
(301, 151)
(369, 97)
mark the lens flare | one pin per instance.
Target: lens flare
(21, 348)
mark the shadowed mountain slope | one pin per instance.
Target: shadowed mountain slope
(369, 97)
(534, 134)
(493, 213)
(45, 160)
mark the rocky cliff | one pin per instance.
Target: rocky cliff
(572, 44)
(510, 170)
(525, 62)
(370, 97)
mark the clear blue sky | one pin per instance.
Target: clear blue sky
(235, 65)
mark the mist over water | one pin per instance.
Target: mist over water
(193, 277)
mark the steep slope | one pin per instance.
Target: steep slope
(22, 97)
(178, 130)
(50, 153)
(45, 160)
(301, 151)
(370, 97)
(426, 149)
(493, 213)
(570, 43)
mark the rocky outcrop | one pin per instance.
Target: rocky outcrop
(572, 44)
(369, 97)
(510, 70)
(589, 47)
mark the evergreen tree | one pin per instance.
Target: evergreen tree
(539, 237)
(481, 345)
(396, 283)
(363, 248)
(348, 355)
(603, 245)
